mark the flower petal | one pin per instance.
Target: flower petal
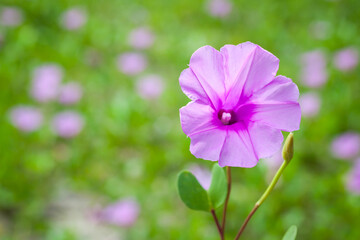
(266, 140)
(280, 89)
(281, 115)
(197, 117)
(207, 65)
(249, 68)
(208, 144)
(191, 86)
(275, 105)
(238, 150)
(235, 59)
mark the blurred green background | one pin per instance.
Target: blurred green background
(134, 147)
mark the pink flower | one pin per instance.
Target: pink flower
(73, 18)
(346, 145)
(46, 82)
(310, 104)
(141, 38)
(239, 106)
(1, 40)
(274, 162)
(26, 118)
(202, 175)
(131, 63)
(67, 124)
(313, 72)
(346, 59)
(11, 16)
(219, 8)
(320, 29)
(353, 178)
(70, 93)
(123, 213)
(150, 86)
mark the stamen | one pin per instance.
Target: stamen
(226, 118)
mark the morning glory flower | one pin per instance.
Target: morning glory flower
(123, 213)
(274, 162)
(219, 8)
(313, 69)
(131, 63)
(70, 93)
(74, 18)
(320, 29)
(346, 145)
(239, 106)
(46, 81)
(346, 59)
(26, 118)
(141, 38)
(310, 103)
(67, 124)
(353, 178)
(150, 86)
(11, 16)
(203, 175)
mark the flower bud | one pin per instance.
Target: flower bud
(288, 149)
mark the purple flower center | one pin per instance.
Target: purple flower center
(227, 117)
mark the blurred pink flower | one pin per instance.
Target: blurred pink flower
(150, 86)
(70, 93)
(73, 18)
(310, 104)
(219, 8)
(346, 145)
(313, 69)
(46, 82)
(26, 118)
(1, 39)
(123, 213)
(274, 162)
(67, 124)
(10, 16)
(346, 59)
(203, 175)
(320, 29)
(353, 178)
(131, 63)
(141, 38)
(239, 106)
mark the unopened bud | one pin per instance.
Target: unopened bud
(288, 149)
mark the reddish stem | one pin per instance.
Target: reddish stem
(228, 173)
(247, 220)
(217, 224)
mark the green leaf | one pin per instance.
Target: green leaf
(290, 233)
(218, 187)
(192, 193)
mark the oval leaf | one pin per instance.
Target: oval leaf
(192, 193)
(290, 233)
(218, 187)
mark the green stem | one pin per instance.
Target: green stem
(228, 174)
(273, 183)
(263, 197)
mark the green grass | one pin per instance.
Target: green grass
(132, 147)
